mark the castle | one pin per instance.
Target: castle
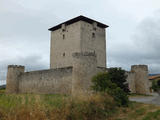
(77, 53)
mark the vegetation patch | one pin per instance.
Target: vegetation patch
(106, 83)
(56, 107)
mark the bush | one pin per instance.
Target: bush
(118, 76)
(156, 85)
(119, 96)
(102, 83)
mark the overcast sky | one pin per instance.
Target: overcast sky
(132, 38)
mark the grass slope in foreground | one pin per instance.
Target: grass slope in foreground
(61, 107)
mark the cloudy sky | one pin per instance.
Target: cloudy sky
(132, 38)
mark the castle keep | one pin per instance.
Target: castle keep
(77, 53)
(80, 34)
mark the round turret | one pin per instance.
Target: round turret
(141, 78)
(12, 78)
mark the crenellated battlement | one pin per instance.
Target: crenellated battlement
(136, 67)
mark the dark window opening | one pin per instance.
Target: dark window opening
(63, 54)
(63, 36)
(93, 35)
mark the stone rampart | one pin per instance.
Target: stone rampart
(46, 81)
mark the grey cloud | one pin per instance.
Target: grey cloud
(145, 47)
(32, 62)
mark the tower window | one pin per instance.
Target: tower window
(63, 36)
(63, 54)
(93, 35)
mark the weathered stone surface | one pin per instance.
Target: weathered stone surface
(77, 37)
(13, 74)
(46, 81)
(131, 81)
(141, 78)
(84, 68)
(138, 79)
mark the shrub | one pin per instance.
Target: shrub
(156, 85)
(119, 96)
(118, 76)
(102, 83)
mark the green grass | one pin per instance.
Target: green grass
(138, 111)
(152, 115)
(8, 102)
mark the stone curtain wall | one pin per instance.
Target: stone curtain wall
(46, 81)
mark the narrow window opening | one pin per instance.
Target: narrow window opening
(63, 54)
(63, 36)
(93, 35)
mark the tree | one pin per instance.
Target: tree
(156, 86)
(118, 76)
(102, 83)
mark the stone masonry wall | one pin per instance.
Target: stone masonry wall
(131, 81)
(84, 68)
(77, 37)
(141, 78)
(64, 42)
(12, 78)
(46, 81)
(68, 80)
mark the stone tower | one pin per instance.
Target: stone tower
(84, 68)
(12, 78)
(80, 34)
(141, 78)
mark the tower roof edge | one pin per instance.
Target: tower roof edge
(76, 19)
